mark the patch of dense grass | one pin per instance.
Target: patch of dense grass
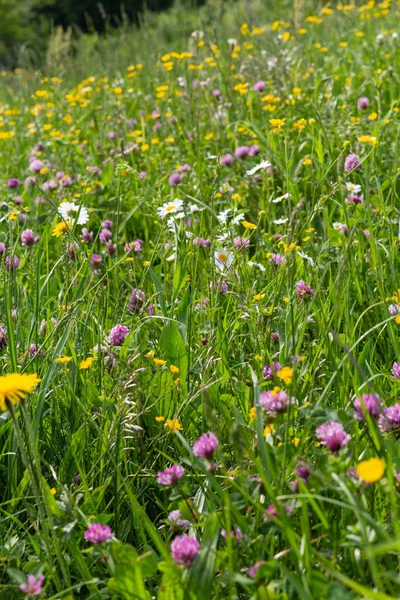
(199, 260)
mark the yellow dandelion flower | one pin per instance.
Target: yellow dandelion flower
(269, 429)
(150, 354)
(367, 139)
(371, 470)
(53, 491)
(160, 419)
(173, 425)
(258, 296)
(173, 369)
(296, 441)
(61, 228)
(286, 374)
(85, 364)
(14, 387)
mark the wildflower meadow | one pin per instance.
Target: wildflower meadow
(200, 310)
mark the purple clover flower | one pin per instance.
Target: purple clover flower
(205, 446)
(332, 435)
(236, 533)
(227, 160)
(390, 419)
(396, 370)
(221, 286)
(259, 86)
(303, 291)
(277, 259)
(241, 243)
(170, 475)
(184, 550)
(362, 103)
(136, 300)
(105, 236)
(269, 371)
(97, 533)
(242, 152)
(118, 334)
(174, 179)
(12, 263)
(275, 401)
(34, 585)
(28, 238)
(351, 163)
(370, 403)
(252, 572)
(174, 519)
(13, 183)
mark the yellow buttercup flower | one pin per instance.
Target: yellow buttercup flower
(286, 374)
(371, 470)
(14, 387)
(173, 425)
(173, 369)
(269, 429)
(85, 364)
(160, 419)
(248, 225)
(63, 359)
(159, 361)
(252, 413)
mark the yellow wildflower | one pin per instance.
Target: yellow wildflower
(61, 228)
(14, 387)
(371, 470)
(286, 374)
(63, 359)
(248, 225)
(159, 361)
(173, 369)
(173, 425)
(85, 364)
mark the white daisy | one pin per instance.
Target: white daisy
(69, 211)
(281, 221)
(353, 187)
(280, 198)
(169, 208)
(223, 259)
(263, 165)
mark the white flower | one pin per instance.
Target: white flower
(224, 216)
(169, 208)
(223, 259)
(195, 208)
(263, 165)
(280, 198)
(306, 257)
(238, 219)
(256, 264)
(353, 187)
(281, 221)
(69, 211)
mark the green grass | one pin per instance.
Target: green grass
(86, 445)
